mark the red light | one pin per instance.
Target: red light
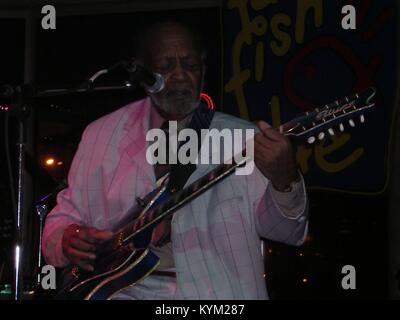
(207, 98)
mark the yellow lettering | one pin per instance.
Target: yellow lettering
(303, 7)
(322, 151)
(258, 26)
(259, 61)
(282, 46)
(261, 4)
(303, 154)
(275, 112)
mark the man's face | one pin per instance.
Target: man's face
(174, 55)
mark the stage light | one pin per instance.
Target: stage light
(304, 280)
(50, 162)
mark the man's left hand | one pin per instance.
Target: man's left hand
(274, 157)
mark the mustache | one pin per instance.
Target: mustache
(179, 90)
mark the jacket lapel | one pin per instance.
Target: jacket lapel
(134, 141)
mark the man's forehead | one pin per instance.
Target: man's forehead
(172, 30)
(171, 45)
(172, 37)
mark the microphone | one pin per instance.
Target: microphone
(151, 81)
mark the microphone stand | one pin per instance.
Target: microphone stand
(20, 110)
(42, 210)
(21, 99)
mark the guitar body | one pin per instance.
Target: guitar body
(124, 268)
(119, 263)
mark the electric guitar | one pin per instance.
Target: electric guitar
(125, 258)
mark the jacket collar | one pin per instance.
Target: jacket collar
(134, 141)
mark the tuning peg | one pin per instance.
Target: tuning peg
(351, 123)
(331, 131)
(341, 127)
(311, 140)
(362, 119)
(321, 135)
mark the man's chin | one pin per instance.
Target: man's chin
(180, 100)
(180, 107)
(174, 113)
(178, 115)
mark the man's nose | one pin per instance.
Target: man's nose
(179, 73)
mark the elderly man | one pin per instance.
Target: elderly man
(214, 248)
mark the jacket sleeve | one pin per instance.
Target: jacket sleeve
(281, 217)
(70, 209)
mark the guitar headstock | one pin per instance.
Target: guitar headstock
(315, 124)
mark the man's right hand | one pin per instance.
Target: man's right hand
(79, 244)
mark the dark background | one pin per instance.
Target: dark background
(344, 228)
